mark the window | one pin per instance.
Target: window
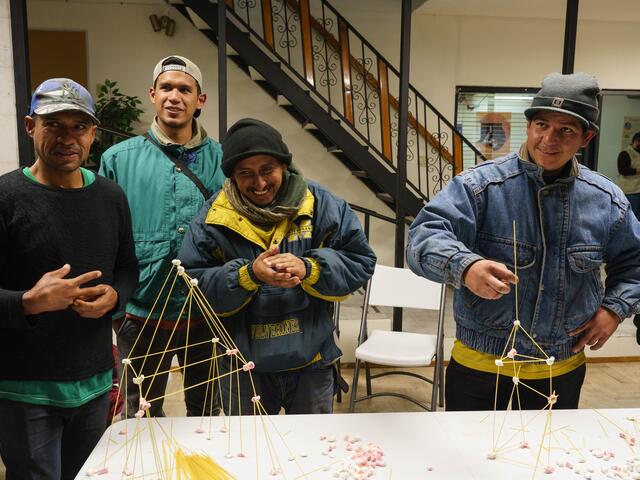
(493, 119)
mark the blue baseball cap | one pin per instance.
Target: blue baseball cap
(62, 95)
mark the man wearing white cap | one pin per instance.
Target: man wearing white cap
(67, 262)
(167, 174)
(569, 222)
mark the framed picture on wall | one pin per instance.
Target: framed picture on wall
(630, 127)
(495, 133)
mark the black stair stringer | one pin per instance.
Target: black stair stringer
(378, 174)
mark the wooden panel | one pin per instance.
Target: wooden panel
(68, 58)
(345, 63)
(371, 79)
(385, 118)
(307, 48)
(230, 4)
(457, 153)
(267, 22)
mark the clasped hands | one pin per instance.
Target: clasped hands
(54, 292)
(491, 280)
(283, 270)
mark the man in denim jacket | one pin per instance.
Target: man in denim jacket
(568, 221)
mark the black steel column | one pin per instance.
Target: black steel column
(21, 76)
(222, 69)
(570, 32)
(401, 178)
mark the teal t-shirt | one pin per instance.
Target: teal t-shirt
(58, 394)
(88, 176)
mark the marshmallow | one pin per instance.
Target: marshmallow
(180, 271)
(194, 282)
(248, 366)
(175, 262)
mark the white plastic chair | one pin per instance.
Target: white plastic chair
(400, 287)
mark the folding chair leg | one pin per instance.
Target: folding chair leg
(339, 394)
(354, 386)
(441, 387)
(368, 377)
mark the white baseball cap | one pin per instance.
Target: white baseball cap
(179, 64)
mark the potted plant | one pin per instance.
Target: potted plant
(116, 111)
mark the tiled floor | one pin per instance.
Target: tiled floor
(607, 385)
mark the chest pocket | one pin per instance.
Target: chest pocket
(585, 289)
(499, 313)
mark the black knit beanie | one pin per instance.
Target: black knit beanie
(248, 137)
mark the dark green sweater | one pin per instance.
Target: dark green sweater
(41, 229)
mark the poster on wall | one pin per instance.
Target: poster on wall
(630, 127)
(495, 134)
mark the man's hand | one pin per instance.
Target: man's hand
(53, 292)
(265, 273)
(289, 263)
(488, 279)
(96, 306)
(596, 331)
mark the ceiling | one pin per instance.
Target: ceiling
(604, 10)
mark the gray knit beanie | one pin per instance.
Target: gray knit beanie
(576, 94)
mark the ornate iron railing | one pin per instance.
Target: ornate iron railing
(357, 85)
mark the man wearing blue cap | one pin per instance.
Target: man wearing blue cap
(66, 263)
(569, 221)
(167, 174)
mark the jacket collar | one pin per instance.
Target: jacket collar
(531, 166)
(198, 137)
(223, 214)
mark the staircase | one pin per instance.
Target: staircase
(325, 74)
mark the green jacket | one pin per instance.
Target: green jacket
(163, 202)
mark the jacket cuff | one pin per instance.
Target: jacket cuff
(457, 267)
(313, 271)
(247, 279)
(620, 308)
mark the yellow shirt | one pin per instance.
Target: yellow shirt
(486, 362)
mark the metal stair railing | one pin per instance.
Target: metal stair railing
(358, 86)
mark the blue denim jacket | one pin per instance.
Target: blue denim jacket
(565, 231)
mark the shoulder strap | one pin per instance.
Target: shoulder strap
(182, 166)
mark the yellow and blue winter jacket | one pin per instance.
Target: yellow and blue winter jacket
(279, 328)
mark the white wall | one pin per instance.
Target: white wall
(451, 50)
(8, 131)
(122, 46)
